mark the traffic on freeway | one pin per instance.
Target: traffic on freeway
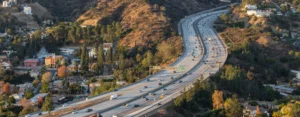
(203, 54)
(211, 56)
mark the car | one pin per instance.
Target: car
(160, 79)
(148, 80)
(172, 78)
(140, 91)
(136, 105)
(193, 59)
(180, 81)
(174, 71)
(40, 113)
(158, 104)
(74, 112)
(146, 99)
(165, 89)
(89, 110)
(145, 86)
(159, 84)
(151, 94)
(116, 90)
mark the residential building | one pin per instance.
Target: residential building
(5, 63)
(31, 62)
(17, 96)
(251, 111)
(27, 10)
(43, 53)
(93, 53)
(6, 4)
(107, 46)
(260, 13)
(66, 51)
(250, 7)
(52, 61)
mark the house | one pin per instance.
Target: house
(43, 53)
(34, 73)
(31, 62)
(9, 52)
(4, 62)
(259, 13)
(251, 111)
(27, 10)
(66, 51)
(6, 4)
(17, 96)
(107, 46)
(3, 34)
(53, 60)
(93, 53)
(250, 7)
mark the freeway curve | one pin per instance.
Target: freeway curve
(212, 54)
(203, 52)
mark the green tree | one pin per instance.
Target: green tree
(233, 108)
(100, 59)
(84, 63)
(11, 100)
(118, 30)
(48, 104)
(28, 94)
(45, 88)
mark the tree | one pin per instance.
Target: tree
(28, 94)
(233, 107)
(118, 29)
(27, 109)
(45, 88)
(109, 56)
(40, 101)
(36, 82)
(100, 59)
(148, 59)
(7, 88)
(84, 63)
(62, 72)
(46, 77)
(11, 100)
(48, 104)
(217, 99)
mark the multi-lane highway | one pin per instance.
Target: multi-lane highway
(203, 54)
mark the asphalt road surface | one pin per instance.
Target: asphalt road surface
(203, 53)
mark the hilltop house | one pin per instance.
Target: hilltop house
(251, 111)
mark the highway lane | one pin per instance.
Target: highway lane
(130, 92)
(153, 81)
(216, 55)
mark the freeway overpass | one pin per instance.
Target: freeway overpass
(203, 53)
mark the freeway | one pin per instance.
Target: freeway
(215, 54)
(203, 53)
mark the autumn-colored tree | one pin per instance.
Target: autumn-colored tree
(46, 77)
(217, 99)
(62, 72)
(40, 101)
(48, 104)
(7, 88)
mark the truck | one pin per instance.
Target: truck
(114, 96)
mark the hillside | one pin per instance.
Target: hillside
(145, 23)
